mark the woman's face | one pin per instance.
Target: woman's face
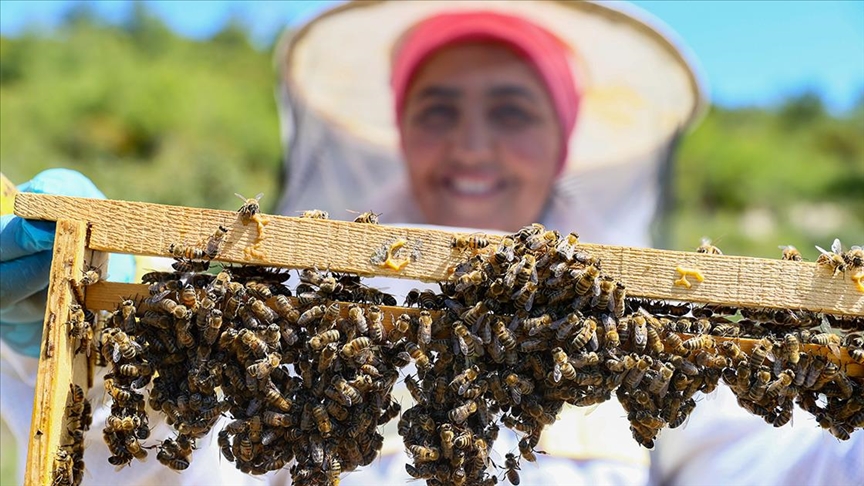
(481, 139)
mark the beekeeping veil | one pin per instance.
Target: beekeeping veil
(640, 91)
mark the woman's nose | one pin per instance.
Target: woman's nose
(474, 145)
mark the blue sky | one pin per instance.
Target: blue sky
(752, 53)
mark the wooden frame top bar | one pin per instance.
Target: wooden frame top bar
(149, 229)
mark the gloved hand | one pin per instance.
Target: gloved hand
(25, 261)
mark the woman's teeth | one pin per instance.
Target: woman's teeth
(472, 187)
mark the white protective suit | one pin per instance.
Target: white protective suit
(342, 154)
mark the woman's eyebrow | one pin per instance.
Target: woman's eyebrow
(438, 92)
(511, 90)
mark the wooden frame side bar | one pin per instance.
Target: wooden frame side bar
(57, 362)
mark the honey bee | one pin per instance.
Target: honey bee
(464, 379)
(475, 241)
(367, 217)
(253, 343)
(311, 316)
(854, 258)
(467, 341)
(273, 397)
(637, 373)
(759, 352)
(791, 348)
(355, 346)
(539, 240)
(760, 386)
(783, 417)
(135, 369)
(830, 340)
(708, 248)
(527, 450)
(376, 324)
(261, 369)
(504, 335)
(80, 328)
(702, 341)
(214, 242)
(778, 386)
(322, 420)
(586, 332)
(524, 297)
(314, 214)
(250, 207)
(655, 344)
(358, 319)
(122, 424)
(185, 265)
(790, 253)
(563, 367)
(187, 252)
(171, 307)
(539, 325)
(586, 280)
(124, 346)
(224, 442)
(833, 259)
(423, 454)
(461, 413)
(504, 252)
(93, 274)
(169, 455)
(518, 386)
(603, 300)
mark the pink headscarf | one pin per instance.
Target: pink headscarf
(547, 54)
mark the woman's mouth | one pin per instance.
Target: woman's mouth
(473, 186)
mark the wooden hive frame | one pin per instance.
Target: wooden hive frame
(88, 229)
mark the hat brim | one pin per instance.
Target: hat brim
(641, 85)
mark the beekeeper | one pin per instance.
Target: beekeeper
(484, 115)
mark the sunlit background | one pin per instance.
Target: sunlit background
(172, 102)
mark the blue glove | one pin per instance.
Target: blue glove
(25, 261)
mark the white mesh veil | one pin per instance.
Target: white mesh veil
(641, 91)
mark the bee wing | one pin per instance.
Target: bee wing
(822, 250)
(836, 247)
(591, 409)
(241, 197)
(115, 354)
(556, 373)
(835, 349)
(259, 196)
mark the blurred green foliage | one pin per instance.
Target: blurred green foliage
(153, 116)
(145, 113)
(755, 179)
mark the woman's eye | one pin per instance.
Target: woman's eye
(511, 116)
(437, 116)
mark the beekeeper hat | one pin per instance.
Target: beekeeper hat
(640, 89)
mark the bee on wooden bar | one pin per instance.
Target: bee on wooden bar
(250, 207)
(315, 214)
(790, 253)
(707, 247)
(832, 259)
(366, 218)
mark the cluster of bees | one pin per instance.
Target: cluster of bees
(522, 327)
(532, 323)
(69, 459)
(304, 380)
